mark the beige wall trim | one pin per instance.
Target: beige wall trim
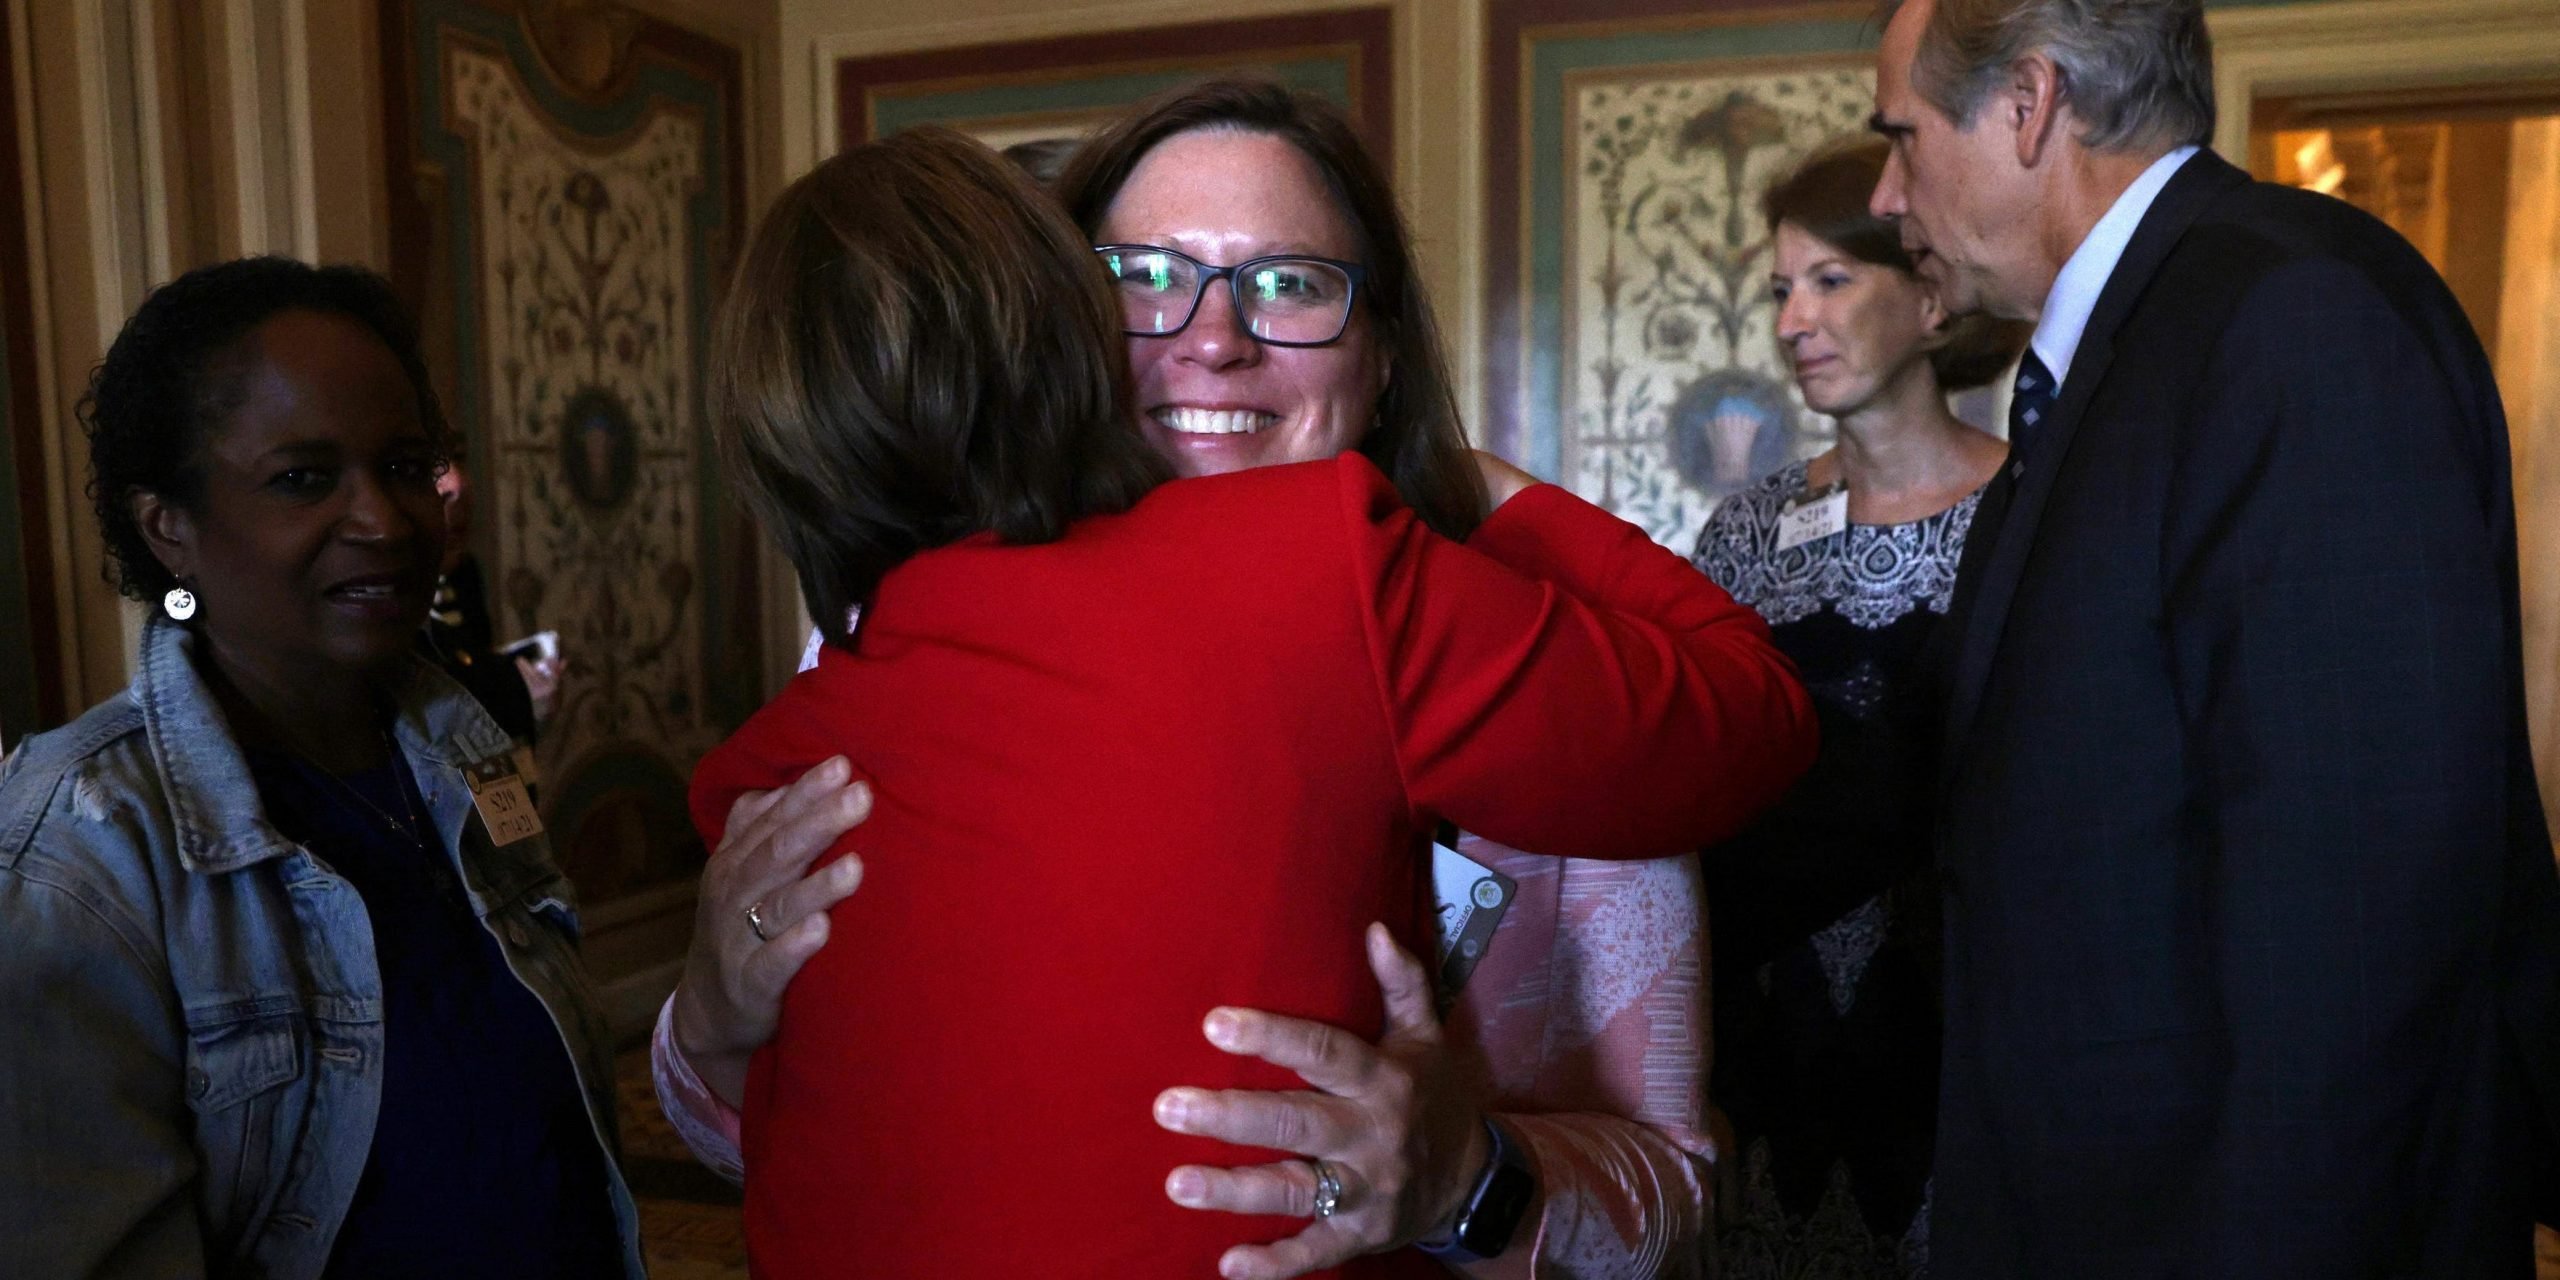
(99, 91)
(2353, 45)
(128, 190)
(264, 48)
(839, 31)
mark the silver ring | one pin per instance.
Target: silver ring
(755, 921)
(1328, 1189)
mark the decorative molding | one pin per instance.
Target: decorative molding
(830, 50)
(1074, 81)
(128, 188)
(834, 47)
(1535, 50)
(585, 44)
(2334, 46)
(265, 45)
(1672, 393)
(131, 246)
(564, 244)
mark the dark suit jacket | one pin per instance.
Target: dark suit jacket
(2250, 908)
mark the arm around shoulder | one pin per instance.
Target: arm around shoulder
(1560, 656)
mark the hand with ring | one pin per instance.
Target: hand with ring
(760, 916)
(1393, 1142)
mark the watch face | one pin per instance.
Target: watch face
(1496, 1213)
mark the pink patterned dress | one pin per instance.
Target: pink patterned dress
(1585, 1025)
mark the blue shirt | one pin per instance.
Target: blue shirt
(483, 1162)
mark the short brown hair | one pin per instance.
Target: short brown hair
(1416, 438)
(1827, 197)
(917, 347)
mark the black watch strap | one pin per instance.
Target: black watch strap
(1492, 1212)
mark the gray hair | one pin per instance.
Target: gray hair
(2137, 73)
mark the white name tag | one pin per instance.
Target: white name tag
(497, 790)
(1813, 519)
(1471, 898)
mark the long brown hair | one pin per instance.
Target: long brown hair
(1416, 438)
(918, 347)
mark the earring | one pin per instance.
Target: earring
(179, 604)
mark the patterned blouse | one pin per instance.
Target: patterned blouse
(1825, 924)
(1585, 1023)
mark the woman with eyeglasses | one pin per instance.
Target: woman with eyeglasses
(1142, 749)
(1557, 1117)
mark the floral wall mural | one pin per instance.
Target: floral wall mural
(1675, 394)
(590, 458)
(567, 189)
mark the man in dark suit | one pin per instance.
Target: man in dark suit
(2249, 905)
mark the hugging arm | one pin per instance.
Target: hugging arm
(1610, 1116)
(725, 1006)
(1560, 656)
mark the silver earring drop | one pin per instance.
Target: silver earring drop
(179, 604)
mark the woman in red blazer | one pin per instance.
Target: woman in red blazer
(1109, 719)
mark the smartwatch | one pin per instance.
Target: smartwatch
(1493, 1210)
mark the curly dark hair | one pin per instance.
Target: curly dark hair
(175, 374)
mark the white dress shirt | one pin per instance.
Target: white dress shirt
(2075, 291)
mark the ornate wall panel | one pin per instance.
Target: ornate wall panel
(1630, 350)
(1025, 89)
(1675, 393)
(577, 189)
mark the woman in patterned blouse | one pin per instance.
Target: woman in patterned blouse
(1823, 919)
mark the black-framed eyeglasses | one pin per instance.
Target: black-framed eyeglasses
(1285, 300)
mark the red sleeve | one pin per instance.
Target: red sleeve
(781, 741)
(1561, 683)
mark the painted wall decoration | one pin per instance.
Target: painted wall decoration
(1629, 349)
(1675, 393)
(578, 187)
(1026, 90)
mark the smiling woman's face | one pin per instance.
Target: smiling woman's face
(1210, 398)
(317, 539)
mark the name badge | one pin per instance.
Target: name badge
(1471, 898)
(497, 790)
(1813, 518)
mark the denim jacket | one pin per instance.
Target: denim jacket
(191, 1021)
